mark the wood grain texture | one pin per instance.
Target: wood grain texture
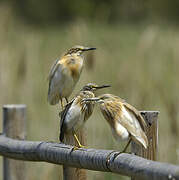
(14, 117)
(92, 159)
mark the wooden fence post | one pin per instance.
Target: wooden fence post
(151, 119)
(14, 117)
(70, 173)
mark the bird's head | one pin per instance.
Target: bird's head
(93, 87)
(79, 50)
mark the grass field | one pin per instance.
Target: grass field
(140, 62)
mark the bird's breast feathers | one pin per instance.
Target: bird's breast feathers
(74, 64)
(74, 118)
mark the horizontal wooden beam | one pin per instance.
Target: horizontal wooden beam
(92, 159)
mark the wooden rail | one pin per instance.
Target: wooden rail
(92, 159)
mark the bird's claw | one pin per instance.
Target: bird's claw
(117, 154)
(81, 146)
(76, 148)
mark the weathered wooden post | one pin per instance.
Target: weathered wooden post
(14, 117)
(74, 173)
(151, 119)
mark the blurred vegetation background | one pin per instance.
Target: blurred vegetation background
(137, 53)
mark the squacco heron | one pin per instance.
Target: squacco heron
(125, 121)
(77, 112)
(65, 73)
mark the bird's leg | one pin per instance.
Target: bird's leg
(61, 100)
(77, 140)
(126, 146)
(66, 100)
(124, 150)
(79, 144)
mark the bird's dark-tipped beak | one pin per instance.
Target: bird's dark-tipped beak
(103, 86)
(89, 48)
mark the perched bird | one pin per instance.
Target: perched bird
(65, 73)
(77, 112)
(125, 121)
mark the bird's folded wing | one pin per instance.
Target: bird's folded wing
(134, 123)
(137, 114)
(53, 69)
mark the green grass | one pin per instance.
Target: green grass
(140, 62)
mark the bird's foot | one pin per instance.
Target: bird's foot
(115, 155)
(76, 148)
(81, 146)
(78, 142)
